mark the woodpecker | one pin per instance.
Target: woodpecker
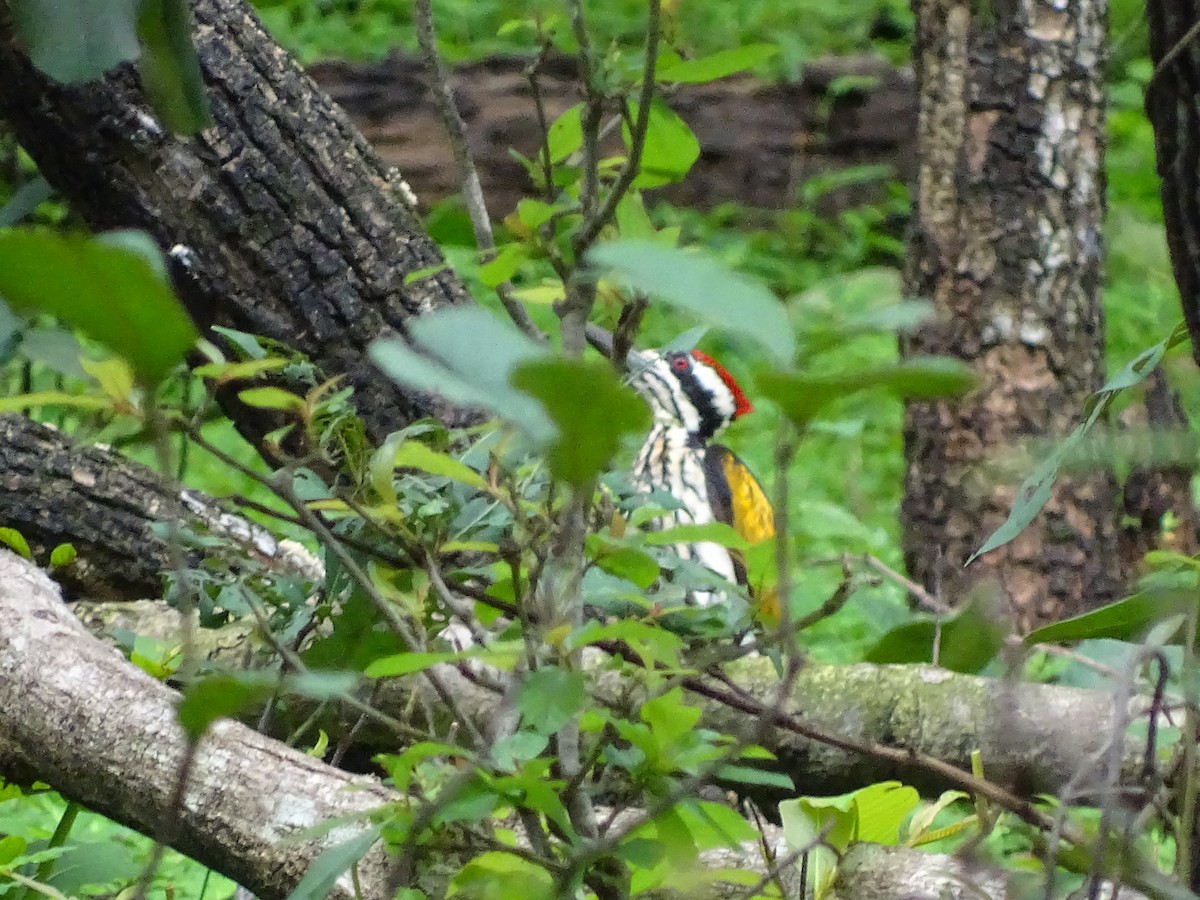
(693, 399)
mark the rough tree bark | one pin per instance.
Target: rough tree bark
(288, 225)
(1173, 105)
(112, 511)
(1006, 241)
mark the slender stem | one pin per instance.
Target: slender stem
(532, 73)
(481, 222)
(785, 452)
(594, 224)
(1186, 830)
(65, 822)
(412, 639)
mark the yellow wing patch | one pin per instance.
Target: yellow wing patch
(754, 520)
(753, 517)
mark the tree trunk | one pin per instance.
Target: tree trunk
(112, 511)
(1173, 105)
(1006, 242)
(279, 219)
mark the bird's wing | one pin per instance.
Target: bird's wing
(738, 500)
(736, 497)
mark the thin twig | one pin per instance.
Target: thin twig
(1186, 831)
(532, 73)
(594, 224)
(481, 222)
(1170, 56)
(412, 639)
(627, 328)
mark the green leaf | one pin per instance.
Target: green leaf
(549, 698)
(327, 868)
(517, 748)
(77, 40)
(923, 818)
(272, 398)
(62, 555)
(407, 663)
(113, 375)
(1032, 496)
(545, 293)
(506, 263)
(496, 875)
(16, 542)
(632, 218)
(882, 809)
(534, 213)
(669, 717)
(137, 242)
(56, 348)
(24, 201)
(415, 455)
(670, 148)
(110, 292)
(699, 284)
(625, 562)
(968, 641)
(565, 134)
(169, 67)
(425, 272)
(320, 685)
(652, 643)
(232, 371)
(11, 846)
(719, 65)
(221, 696)
(1036, 490)
(751, 775)
(716, 532)
(802, 396)
(717, 825)
(818, 826)
(473, 803)
(458, 370)
(1124, 620)
(53, 398)
(591, 408)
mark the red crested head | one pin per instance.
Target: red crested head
(742, 405)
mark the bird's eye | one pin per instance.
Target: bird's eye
(681, 363)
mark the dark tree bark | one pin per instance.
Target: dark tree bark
(1173, 105)
(1006, 241)
(288, 224)
(54, 492)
